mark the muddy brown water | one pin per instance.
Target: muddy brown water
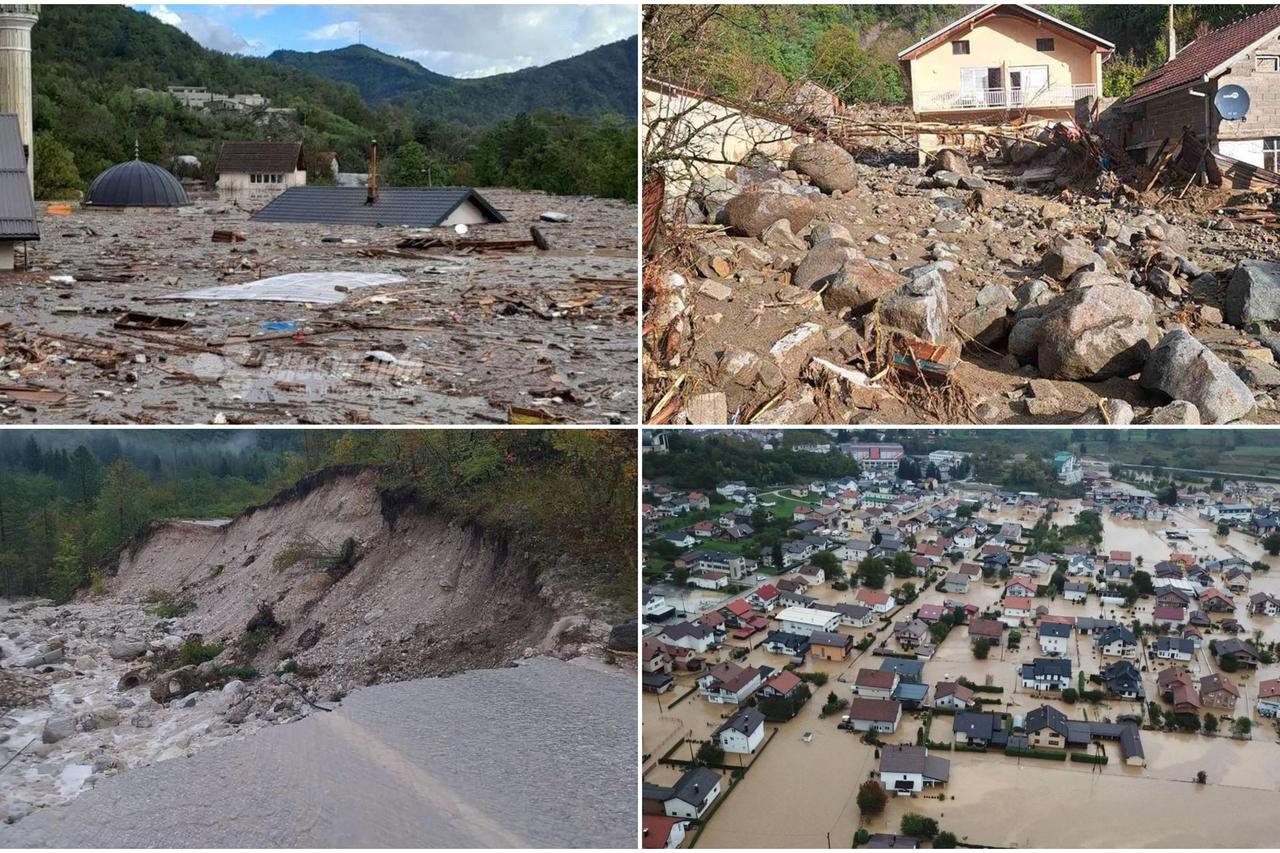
(803, 794)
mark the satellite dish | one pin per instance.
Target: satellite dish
(460, 229)
(1232, 102)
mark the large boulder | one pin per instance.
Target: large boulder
(857, 284)
(987, 322)
(822, 264)
(127, 649)
(948, 160)
(1064, 261)
(918, 308)
(1186, 369)
(1096, 332)
(828, 165)
(58, 727)
(752, 212)
(1253, 294)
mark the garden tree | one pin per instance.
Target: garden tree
(909, 469)
(1168, 496)
(1242, 727)
(1229, 663)
(1143, 583)
(710, 753)
(945, 839)
(1223, 528)
(842, 65)
(902, 565)
(826, 561)
(665, 548)
(872, 572)
(55, 172)
(981, 648)
(776, 556)
(1201, 777)
(1070, 695)
(871, 798)
(1215, 485)
(918, 826)
(1210, 723)
(411, 166)
(1272, 544)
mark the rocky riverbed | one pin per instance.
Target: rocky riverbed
(794, 291)
(74, 711)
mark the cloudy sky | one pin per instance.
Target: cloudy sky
(461, 41)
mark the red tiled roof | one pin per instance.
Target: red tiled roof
(784, 681)
(876, 710)
(872, 596)
(1176, 614)
(875, 678)
(1207, 53)
(657, 830)
(1269, 689)
(767, 592)
(738, 607)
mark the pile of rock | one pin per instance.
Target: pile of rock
(1079, 293)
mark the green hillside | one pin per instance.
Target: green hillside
(852, 49)
(100, 74)
(597, 82)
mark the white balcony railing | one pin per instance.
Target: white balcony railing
(987, 99)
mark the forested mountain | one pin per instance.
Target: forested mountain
(852, 49)
(100, 74)
(600, 81)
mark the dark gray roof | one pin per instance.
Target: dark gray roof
(413, 207)
(1046, 716)
(1055, 667)
(135, 183)
(1054, 629)
(905, 758)
(745, 721)
(17, 210)
(693, 785)
(1115, 634)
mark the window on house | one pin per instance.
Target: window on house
(1044, 45)
(1266, 62)
(1271, 153)
(960, 48)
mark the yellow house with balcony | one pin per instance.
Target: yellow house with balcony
(1001, 61)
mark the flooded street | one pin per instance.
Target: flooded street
(538, 755)
(993, 799)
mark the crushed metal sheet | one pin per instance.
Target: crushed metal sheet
(319, 287)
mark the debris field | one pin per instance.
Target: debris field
(1038, 279)
(122, 317)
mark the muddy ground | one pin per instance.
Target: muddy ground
(472, 332)
(769, 317)
(992, 799)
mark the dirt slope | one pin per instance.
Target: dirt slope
(426, 596)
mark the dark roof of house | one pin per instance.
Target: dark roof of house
(413, 207)
(1055, 667)
(694, 784)
(268, 157)
(1206, 54)
(830, 638)
(135, 183)
(745, 721)
(1048, 717)
(1181, 644)
(889, 841)
(907, 758)
(1054, 629)
(907, 669)
(17, 209)
(1113, 634)
(979, 725)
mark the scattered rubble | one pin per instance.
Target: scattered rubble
(122, 317)
(849, 285)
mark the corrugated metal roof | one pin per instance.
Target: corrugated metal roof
(260, 157)
(17, 209)
(413, 207)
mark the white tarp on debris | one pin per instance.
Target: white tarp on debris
(324, 287)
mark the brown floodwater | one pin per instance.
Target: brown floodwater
(802, 794)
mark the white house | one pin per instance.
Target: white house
(1175, 648)
(1075, 592)
(880, 602)
(1269, 698)
(966, 538)
(728, 683)
(689, 635)
(1055, 638)
(805, 621)
(954, 696)
(268, 167)
(1046, 674)
(1117, 643)
(742, 732)
(688, 798)
(907, 769)
(1015, 609)
(709, 580)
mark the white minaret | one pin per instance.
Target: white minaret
(15, 70)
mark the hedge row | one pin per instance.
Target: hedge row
(968, 747)
(1038, 753)
(946, 747)
(1086, 758)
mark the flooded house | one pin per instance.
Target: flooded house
(260, 169)
(907, 769)
(741, 733)
(689, 797)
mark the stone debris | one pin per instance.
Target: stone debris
(852, 286)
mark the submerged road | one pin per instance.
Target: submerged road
(540, 755)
